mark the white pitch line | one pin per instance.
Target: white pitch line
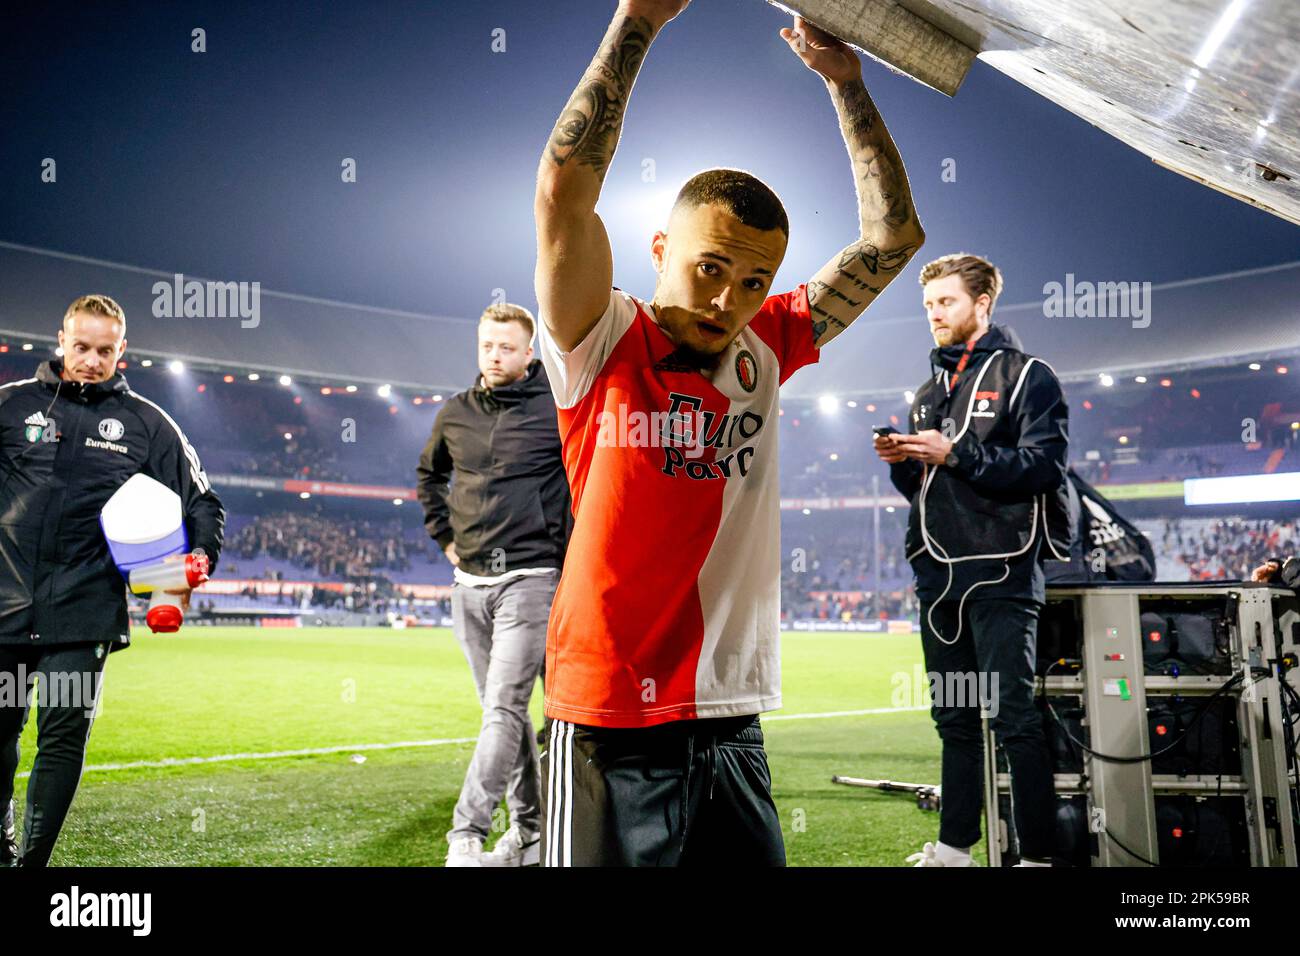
(843, 713)
(404, 744)
(272, 755)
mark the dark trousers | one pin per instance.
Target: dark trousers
(686, 793)
(998, 641)
(70, 677)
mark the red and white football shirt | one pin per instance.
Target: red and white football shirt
(669, 604)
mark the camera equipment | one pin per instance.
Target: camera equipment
(1170, 713)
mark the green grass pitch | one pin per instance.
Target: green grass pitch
(232, 691)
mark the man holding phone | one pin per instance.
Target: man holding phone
(984, 468)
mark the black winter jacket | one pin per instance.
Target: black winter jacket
(1007, 487)
(65, 448)
(508, 507)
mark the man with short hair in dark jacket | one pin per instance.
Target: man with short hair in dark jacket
(503, 523)
(69, 438)
(984, 469)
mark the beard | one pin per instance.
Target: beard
(954, 335)
(502, 378)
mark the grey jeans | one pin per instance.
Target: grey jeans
(502, 630)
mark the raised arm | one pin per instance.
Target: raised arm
(890, 232)
(574, 266)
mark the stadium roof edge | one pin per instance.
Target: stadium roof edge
(306, 376)
(287, 296)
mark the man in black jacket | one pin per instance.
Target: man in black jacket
(984, 469)
(503, 523)
(69, 438)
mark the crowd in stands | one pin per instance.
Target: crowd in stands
(294, 460)
(801, 603)
(264, 429)
(325, 546)
(827, 571)
(240, 427)
(1217, 549)
(381, 599)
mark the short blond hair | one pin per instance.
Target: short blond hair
(97, 304)
(509, 312)
(979, 276)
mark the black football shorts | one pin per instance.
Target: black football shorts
(689, 792)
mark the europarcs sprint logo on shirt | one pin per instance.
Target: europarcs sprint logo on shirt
(110, 429)
(685, 432)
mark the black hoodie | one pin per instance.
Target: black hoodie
(65, 448)
(508, 507)
(1003, 491)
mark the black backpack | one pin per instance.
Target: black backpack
(1107, 547)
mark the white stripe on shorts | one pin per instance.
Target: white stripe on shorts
(552, 796)
(568, 796)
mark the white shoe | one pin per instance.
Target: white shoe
(467, 851)
(940, 854)
(512, 850)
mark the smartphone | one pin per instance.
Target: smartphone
(881, 431)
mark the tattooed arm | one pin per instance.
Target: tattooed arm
(574, 264)
(890, 230)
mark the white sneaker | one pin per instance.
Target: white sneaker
(466, 851)
(940, 854)
(513, 850)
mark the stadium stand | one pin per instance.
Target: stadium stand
(318, 482)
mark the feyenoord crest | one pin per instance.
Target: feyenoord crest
(746, 370)
(36, 424)
(110, 429)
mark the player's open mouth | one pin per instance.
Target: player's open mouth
(711, 330)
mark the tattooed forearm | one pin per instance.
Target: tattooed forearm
(828, 306)
(821, 292)
(844, 288)
(865, 256)
(884, 198)
(857, 112)
(890, 231)
(588, 129)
